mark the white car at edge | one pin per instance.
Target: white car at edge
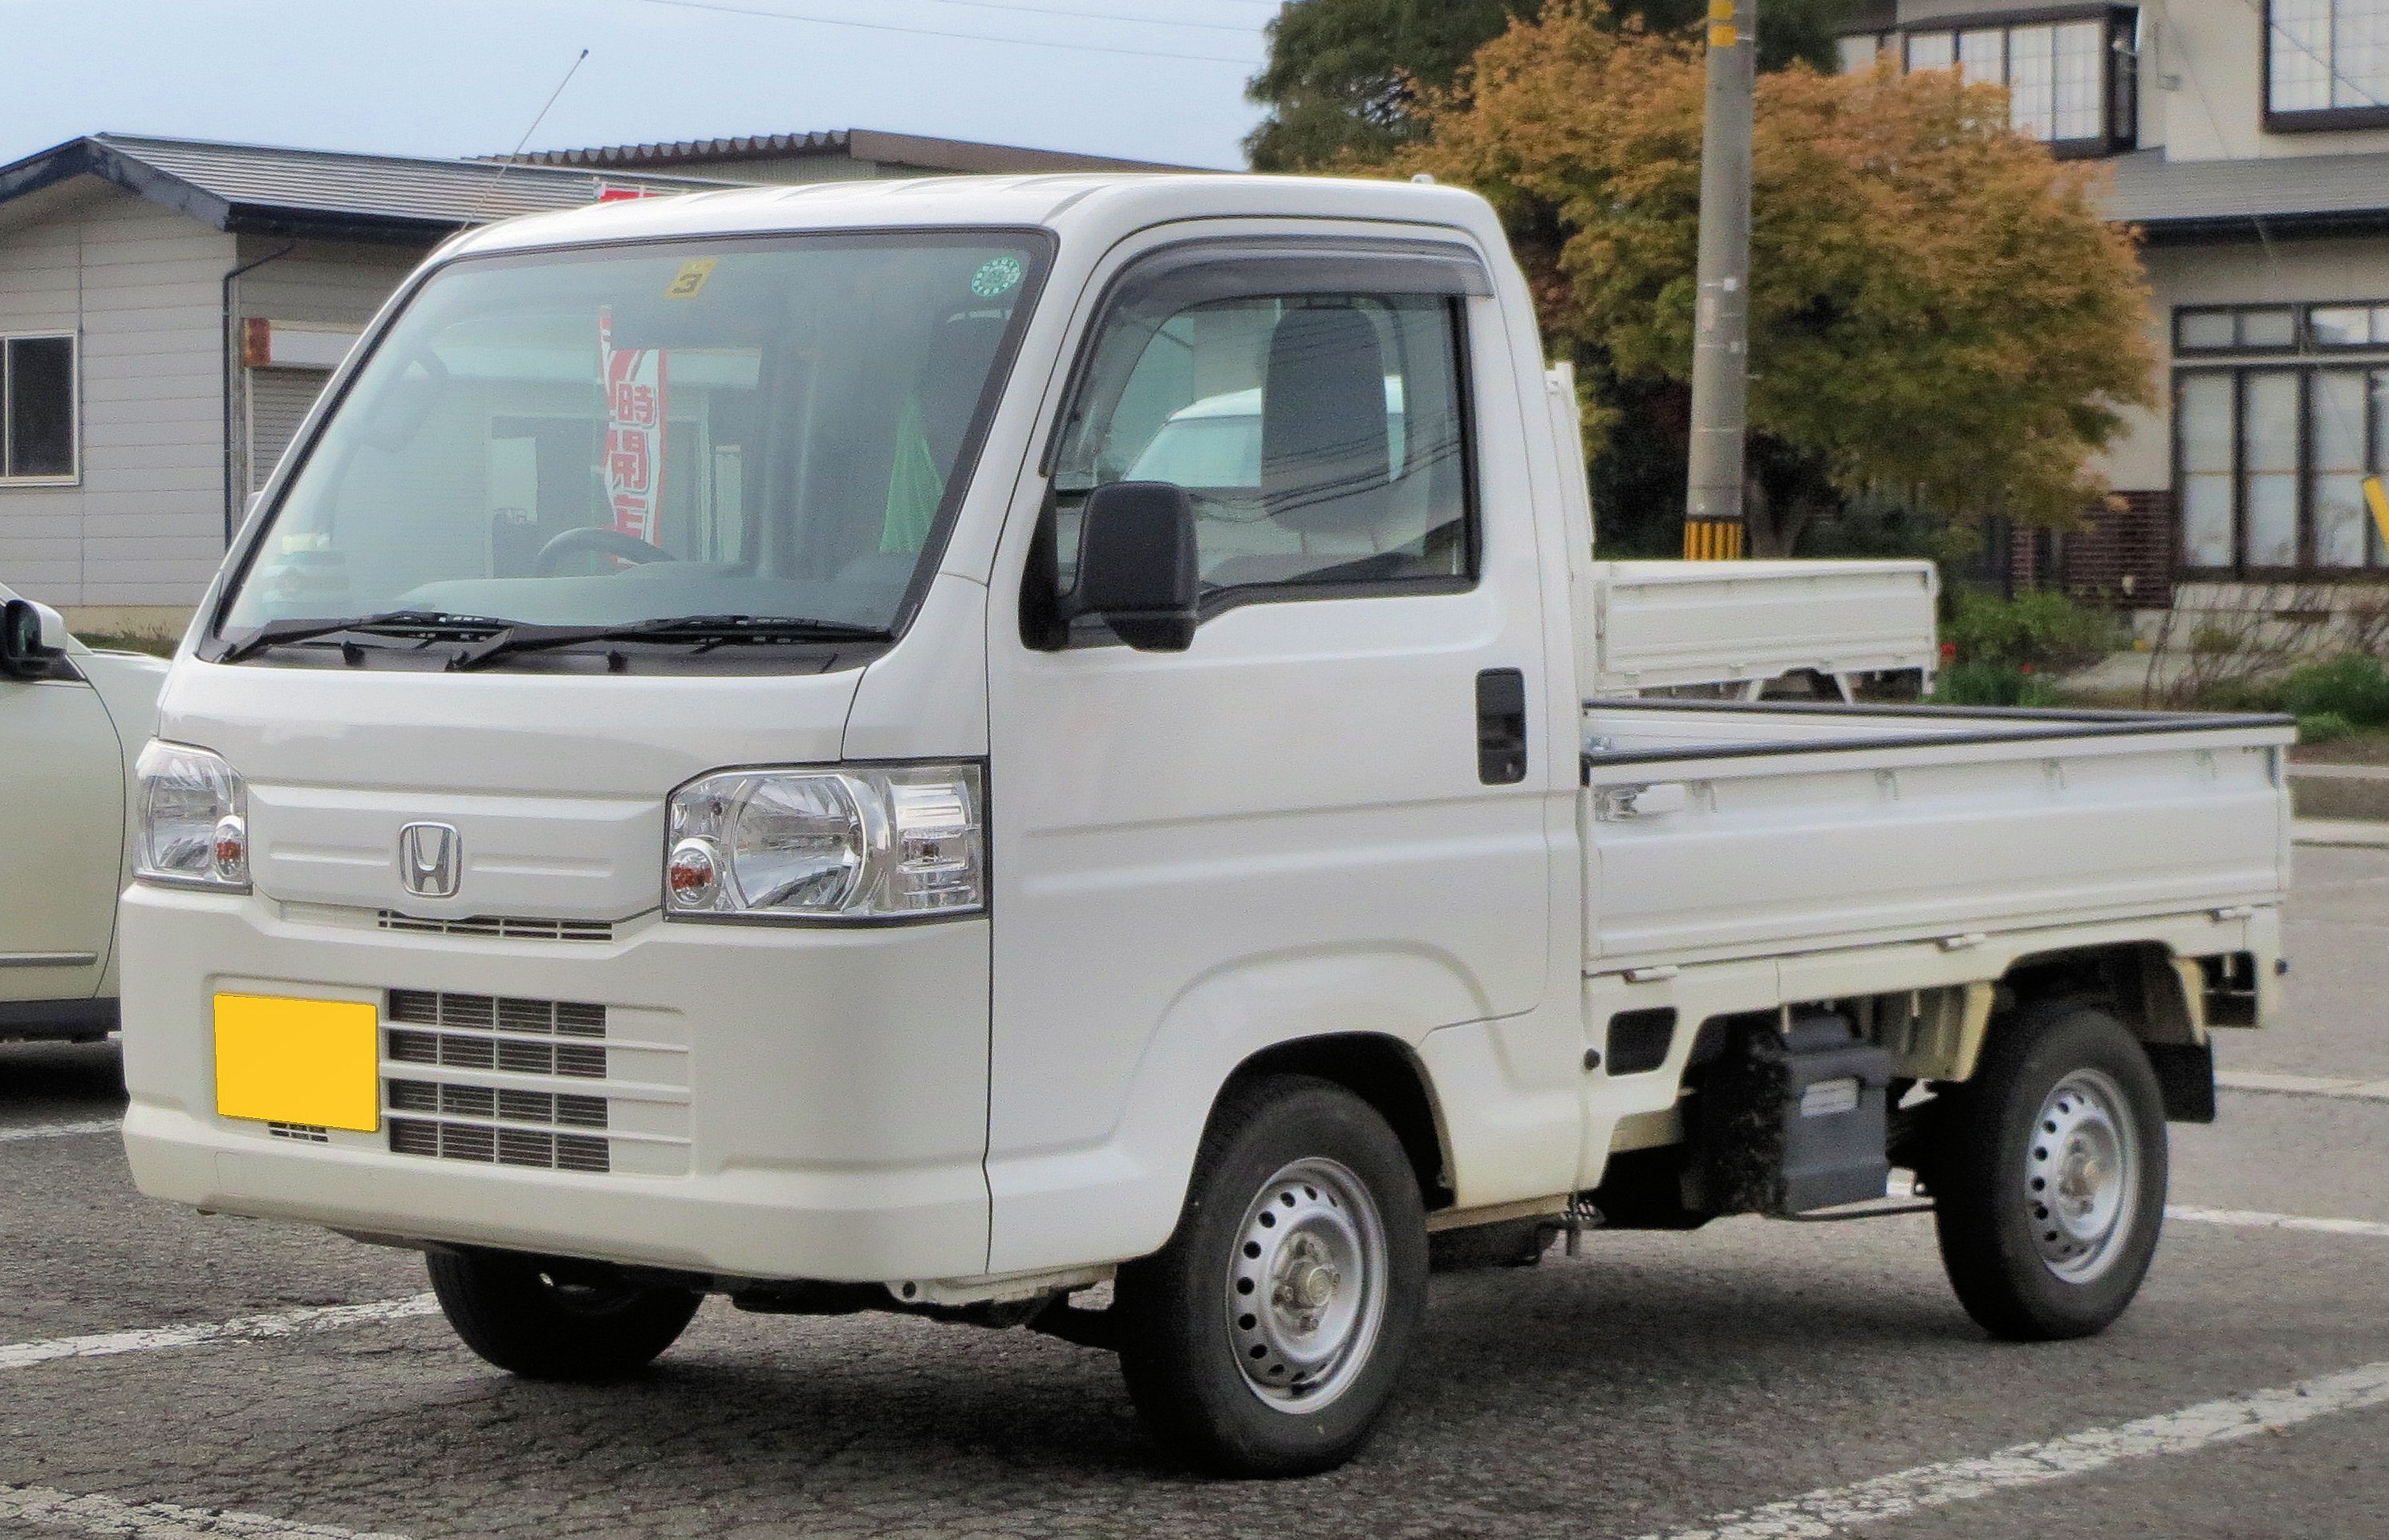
(72, 721)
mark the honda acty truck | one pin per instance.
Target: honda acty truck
(720, 766)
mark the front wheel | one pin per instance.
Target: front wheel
(1266, 1338)
(549, 1319)
(2049, 1184)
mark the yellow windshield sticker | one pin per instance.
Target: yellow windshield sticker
(690, 280)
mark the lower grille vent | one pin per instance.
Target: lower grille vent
(514, 1106)
(488, 1145)
(500, 1034)
(308, 1133)
(501, 927)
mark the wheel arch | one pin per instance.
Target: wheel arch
(1382, 1071)
(2143, 982)
(2158, 996)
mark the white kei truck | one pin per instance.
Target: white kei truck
(707, 773)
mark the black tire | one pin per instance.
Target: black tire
(2063, 1101)
(1183, 1346)
(548, 1320)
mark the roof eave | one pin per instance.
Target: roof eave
(91, 157)
(321, 224)
(2210, 229)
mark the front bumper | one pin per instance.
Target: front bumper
(776, 1103)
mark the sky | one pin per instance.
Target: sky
(470, 77)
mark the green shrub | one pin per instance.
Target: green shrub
(2043, 630)
(2322, 727)
(2353, 687)
(1992, 684)
(2239, 694)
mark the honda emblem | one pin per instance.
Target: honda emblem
(430, 858)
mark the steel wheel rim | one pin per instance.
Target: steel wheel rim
(1306, 1286)
(2082, 1176)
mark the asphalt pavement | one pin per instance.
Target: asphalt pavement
(164, 1373)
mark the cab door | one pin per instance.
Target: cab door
(61, 772)
(1322, 816)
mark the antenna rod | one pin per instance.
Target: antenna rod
(1713, 511)
(482, 207)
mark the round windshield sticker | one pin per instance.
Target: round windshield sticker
(996, 275)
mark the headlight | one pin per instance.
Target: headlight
(858, 843)
(194, 820)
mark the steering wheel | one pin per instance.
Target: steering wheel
(596, 538)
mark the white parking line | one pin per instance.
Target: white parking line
(96, 1515)
(58, 1130)
(2253, 1219)
(2267, 1082)
(322, 1317)
(1832, 1509)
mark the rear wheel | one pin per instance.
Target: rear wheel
(1266, 1338)
(2050, 1183)
(549, 1319)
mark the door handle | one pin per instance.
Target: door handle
(1502, 726)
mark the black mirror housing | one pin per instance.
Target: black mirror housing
(23, 655)
(1137, 565)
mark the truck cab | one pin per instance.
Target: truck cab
(724, 764)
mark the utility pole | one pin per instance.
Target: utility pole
(1713, 514)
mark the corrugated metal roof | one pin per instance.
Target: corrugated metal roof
(863, 144)
(752, 147)
(2288, 192)
(410, 187)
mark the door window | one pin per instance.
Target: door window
(1321, 436)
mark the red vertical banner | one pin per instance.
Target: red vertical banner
(633, 462)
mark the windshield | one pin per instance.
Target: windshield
(730, 428)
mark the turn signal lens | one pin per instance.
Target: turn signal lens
(859, 842)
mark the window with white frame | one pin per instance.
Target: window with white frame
(2069, 81)
(38, 408)
(2326, 58)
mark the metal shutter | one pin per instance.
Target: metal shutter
(278, 400)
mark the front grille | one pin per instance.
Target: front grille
(458, 1121)
(308, 1133)
(501, 927)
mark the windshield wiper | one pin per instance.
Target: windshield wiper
(706, 630)
(276, 633)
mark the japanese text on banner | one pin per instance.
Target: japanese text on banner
(635, 431)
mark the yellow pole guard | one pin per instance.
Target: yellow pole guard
(2377, 499)
(1712, 541)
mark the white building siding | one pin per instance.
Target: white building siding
(141, 287)
(320, 284)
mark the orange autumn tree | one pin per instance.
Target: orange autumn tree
(1937, 313)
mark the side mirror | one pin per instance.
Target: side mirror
(1137, 566)
(31, 636)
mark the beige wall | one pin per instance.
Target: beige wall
(142, 288)
(2202, 87)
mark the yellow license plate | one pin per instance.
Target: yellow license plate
(298, 1061)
